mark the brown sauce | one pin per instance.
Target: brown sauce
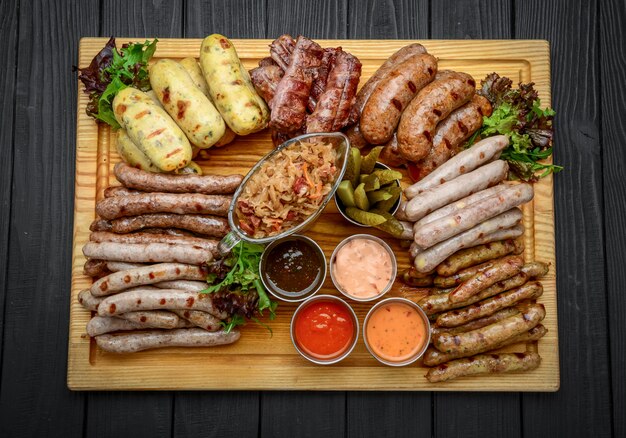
(293, 268)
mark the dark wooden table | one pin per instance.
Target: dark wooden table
(39, 45)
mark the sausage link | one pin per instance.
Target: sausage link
(95, 268)
(482, 152)
(489, 335)
(191, 337)
(475, 324)
(144, 275)
(453, 318)
(200, 319)
(189, 183)
(187, 285)
(532, 269)
(143, 237)
(479, 254)
(88, 301)
(154, 319)
(484, 364)
(207, 225)
(112, 191)
(179, 203)
(147, 252)
(162, 299)
(100, 225)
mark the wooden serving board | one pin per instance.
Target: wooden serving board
(259, 361)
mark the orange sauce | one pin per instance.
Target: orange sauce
(395, 332)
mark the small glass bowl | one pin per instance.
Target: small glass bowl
(316, 286)
(342, 208)
(421, 313)
(340, 356)
(394, 266)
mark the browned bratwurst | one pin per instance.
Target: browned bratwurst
(142, 237)
(202, 224)
(476, 323)
(265, 80)
(391, 96)
(484, 364)
(431, 105)
(332, 111)
(147, 252)
(391, 157)
(190, 337)
(292, 94)
(120, 191)
(95, 268)
(452, 132)
(479, 254)
(179, 203)
(161, 182)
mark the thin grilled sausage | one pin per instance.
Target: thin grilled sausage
(142, 237)
(482, 152)
(88, 301)
(492, 334)
(154, 319)
(532, 269)
(433, 357)
(146, 275)
(381, 114)
(188, 285)
(484, 364)
(189, 183)
(200, 319)
(432, 104)
(191, 337)
(476, 323)
(460, 187)
(109, 192)
(479, 254)
(428, 260)
(99, 325)
(95, 268)
(390, 155)
(208, 225)
(147, 252)
(500, 270)
(179, 203)
(162, 299)
(114, 266)
(487, 307)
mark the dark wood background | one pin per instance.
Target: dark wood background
(39, 43)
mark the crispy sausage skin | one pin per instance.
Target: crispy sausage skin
(431, 105)
(484, 364)
(391, 96)
(479, 254)
(147, 252)
(265, 80)
(143, 237)
(207, 225)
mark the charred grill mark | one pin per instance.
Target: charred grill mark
(166, 95)
(155, 133)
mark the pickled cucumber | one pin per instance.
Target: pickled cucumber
(391, 224)
(369, 161)
(353, 167)
(378, 195)
(346, 193)
(365, 217)
(387, 204)
(360, 198)
(387, 176)
(371, 182)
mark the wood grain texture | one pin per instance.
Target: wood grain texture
(452, 413)
(8, 58)
(233, 18)
(118, 413)
(34, 400)
(280, 367)
(585, 389)
(388, 19)
(313, 18)
(613, 98)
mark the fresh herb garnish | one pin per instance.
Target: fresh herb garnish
(517, 113)
(236, 275)
(111, 71)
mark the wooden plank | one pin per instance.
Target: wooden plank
(583, 405)
(118, 413)
(613, 98)
(224, 413)
(382, 20)
(34, 400)
(313, 19)
(8, 58)
(233, 18)
(280, 367)
(467, 412)
(388, 19)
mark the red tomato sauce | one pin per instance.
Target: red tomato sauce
(324, 329)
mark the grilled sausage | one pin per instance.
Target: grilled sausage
(230, 86)
(154, 319)
(132, 154)
(95, 268)
(191, 337)
(162, 299)
(428, 260)
(390, 155)
(147, 252)
(482, 152)
(265, 81)
(114, 266)
(112, 191)
(479, 254)
(195, 73)
(476, 323)
(470, 216)
(213, 226)
(499, 270)
(146, 275)
(88, 301)
(458, 188)
(381, 114)
(187, 285)
(432, 104)
(484, 364)
(151, 129)
(451, 133)
(433, 357)
(487, 307)
(179, 203)
(532, 269)
(154, 182)
(200, 319)
(143, 237)
(489, 335)
(99, 325)
(100, 225)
